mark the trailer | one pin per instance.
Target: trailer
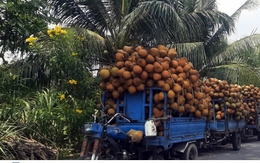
(252, 130)
(182, 136)
(227, 130)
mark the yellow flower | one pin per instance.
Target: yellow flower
(79, 111)
(72, 81)
(57, 33)
(74, 54)
(82, 38)
(57, 28)
(31, 39)
(31, 44)
(63, 32)
(50, 31)
(62, 96)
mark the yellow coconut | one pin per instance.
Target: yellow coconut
(104, 74)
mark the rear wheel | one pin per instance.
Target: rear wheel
(236, 141)
(191, 153)
(258, 135)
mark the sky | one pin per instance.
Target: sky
(248, 21)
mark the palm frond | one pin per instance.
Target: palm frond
(194, 52)
(90, 14)
(227, 27)
(156, 18)
(235, 73)
(205, 5)
(236, 49)
(248, 5)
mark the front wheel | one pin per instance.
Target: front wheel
(191, 153)
(236, 141)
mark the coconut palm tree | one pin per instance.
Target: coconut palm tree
(194, 27)
(146, 22)
(234, 62)
(230, 62)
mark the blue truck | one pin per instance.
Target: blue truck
(253, 125)
(107, 137)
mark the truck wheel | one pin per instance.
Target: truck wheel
(191, 153)
(84, 158)
(236, 141)
(258, 136)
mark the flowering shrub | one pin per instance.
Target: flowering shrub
(72, 88)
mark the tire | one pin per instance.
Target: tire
(236, 141)
(258, 135)
(191, 153)
(83, 158)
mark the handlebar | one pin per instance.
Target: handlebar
(118, 115)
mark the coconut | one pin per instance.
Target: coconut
(115, 94)
(157, 76)
(160, 83)
(157, 67)
(154, 52)
(182, 61)
(142, 53)
(137, 69)
(166, 74)
(162, 47)
(171, 94)
(128, 49)
(161, 96)
(120, 56)
(114, 71)
(111, 111)
(132, 89)
(177, 88)
(140, 87)
(174, 106)
(163, 53)
(149, 59)
(126, 75)
(141, 62)
(174, 63)
(166, 87)
(104, 74)
(172, 53)
(109, 87)
(165, 65)
(188, 96)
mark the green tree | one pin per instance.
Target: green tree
(18, 20)
(146, 23)
(237, 62)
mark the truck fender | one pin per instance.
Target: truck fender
(181, 147)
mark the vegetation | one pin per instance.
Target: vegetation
(52, 90)
(18, 20)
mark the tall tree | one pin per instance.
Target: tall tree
(19, 19)
(144, 22)
(234, 62)
(196, 28)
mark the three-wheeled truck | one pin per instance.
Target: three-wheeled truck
(253, 125)
(182, 135)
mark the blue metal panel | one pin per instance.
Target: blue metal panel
(116, 133)
(125, 127)
(217, 125)
(251, 126)
(234, 125)
(134, 106)
(186, 128)
(93, 129)
(180, 129)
